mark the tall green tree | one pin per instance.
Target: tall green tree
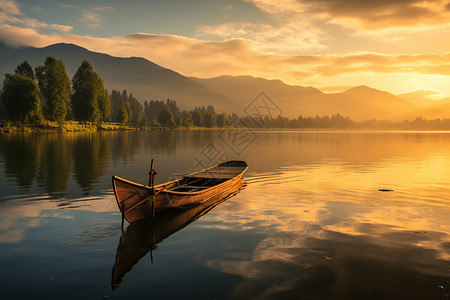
(197, 118)
(209, 120)
(186, 119)
(54, 84)
(137, 110)
(104, 102)
(222, 120)
(90, 101)
(123, 113)
(166, 118)
(2, 108)
(25, 69)
(21, 100)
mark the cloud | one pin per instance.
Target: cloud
(382, 14)
(91, 17)
(11, 14)
(300, 26)
(423, 93)
(10, 7)
(205, 59)
(290, 30)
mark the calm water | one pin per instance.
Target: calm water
(310, 222)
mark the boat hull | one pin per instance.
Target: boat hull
(143, 237)
(138, 202)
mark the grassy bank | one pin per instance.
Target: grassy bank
(66, 127)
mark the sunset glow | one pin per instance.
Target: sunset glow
(397, 46)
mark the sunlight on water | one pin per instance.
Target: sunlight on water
(310, 223)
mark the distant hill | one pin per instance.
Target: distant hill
(308, 101)
(393, 106)
(143, 78)
(149, 81)
(441, 111)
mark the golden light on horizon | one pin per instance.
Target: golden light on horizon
(395, 46)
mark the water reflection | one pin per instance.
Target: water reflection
(21, 158)
(91, 156)
(54, 163)
(328, 233)
(47, 161)
(144, 236)
(310, 223)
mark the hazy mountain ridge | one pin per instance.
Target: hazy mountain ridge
(149, 81)
(145, 79)
(293, 100)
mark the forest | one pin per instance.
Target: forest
(37, 97)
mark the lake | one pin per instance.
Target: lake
(310, 222)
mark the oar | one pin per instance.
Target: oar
(150, 180)
(151, 183)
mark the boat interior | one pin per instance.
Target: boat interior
(192, 184)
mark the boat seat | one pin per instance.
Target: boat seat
(189, 187)
(195, 187)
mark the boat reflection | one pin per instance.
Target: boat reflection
(142, 237)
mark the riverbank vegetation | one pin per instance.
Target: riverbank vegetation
(45, 99)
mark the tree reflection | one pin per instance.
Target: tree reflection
(47, 160)
(55, 164)
(91, 154)
(21, 157)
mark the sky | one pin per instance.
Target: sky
(399, 46)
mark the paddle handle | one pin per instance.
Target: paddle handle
(151, 180)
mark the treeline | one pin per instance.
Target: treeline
(32, 96)
(29, 97)
(127, 109)
(340, 122)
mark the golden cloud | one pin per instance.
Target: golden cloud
(11, 14)
(194, 57)
(10, 7)
(376, 15)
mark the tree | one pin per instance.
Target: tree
(209, 120)
(104, 102)
(222, 120)
(25, 69)
(146, 109)
(166, 119)
(54, 84)
(89, 95)
(20, 97)
(186, 119)
(197, 118)
(2, 108)
(116, 105)
(154, 108)
(123, 114)
(210, 110)
(137, 110)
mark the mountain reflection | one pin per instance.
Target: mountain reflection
(144, 236)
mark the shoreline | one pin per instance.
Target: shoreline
(72, 128)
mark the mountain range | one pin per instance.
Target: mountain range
(149, 81)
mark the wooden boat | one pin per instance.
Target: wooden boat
(138, 202)
(143, 237)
